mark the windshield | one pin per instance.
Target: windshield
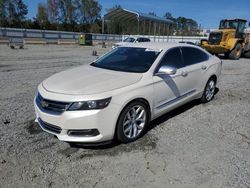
(229, 24)
(129, 39)
(128, 59)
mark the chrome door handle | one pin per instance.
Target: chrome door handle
(184, 73)
(204, 67)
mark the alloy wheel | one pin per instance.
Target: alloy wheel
(210, 90)
(134, 121)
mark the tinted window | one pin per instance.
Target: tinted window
(129, 39)
(172, 58)
(146, 40)
(193, 55)
(128, 59)
(140, 40)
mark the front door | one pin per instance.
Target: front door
(169, 88)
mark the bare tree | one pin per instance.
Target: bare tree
(53, 10)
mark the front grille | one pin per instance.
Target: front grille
(50, 106)
(215, 38)
(49, 127)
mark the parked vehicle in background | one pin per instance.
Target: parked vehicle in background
(122, 91)
(230, 40)
(130, 40)
(187, 42)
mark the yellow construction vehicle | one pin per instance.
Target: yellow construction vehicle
(230, 40)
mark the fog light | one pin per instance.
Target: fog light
(84, 132)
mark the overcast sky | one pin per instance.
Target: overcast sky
(208, 13)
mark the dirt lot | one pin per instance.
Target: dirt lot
(196, 145)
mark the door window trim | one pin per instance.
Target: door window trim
(160, 61)
(192, 63)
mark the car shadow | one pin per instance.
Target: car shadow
(152, 125)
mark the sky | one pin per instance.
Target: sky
(208, 13)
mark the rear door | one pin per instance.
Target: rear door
(196, 64)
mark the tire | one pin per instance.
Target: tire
(209, 91)
(236, 52)
(128, 128)
(226, 55)
(247, 54)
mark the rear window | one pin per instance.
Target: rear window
(193, 55)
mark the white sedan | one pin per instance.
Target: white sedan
(130, 40)
(122, 91)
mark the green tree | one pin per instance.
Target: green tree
(168, 16)
(67, 14)
(182, 26)
(113, 8)
(42, 16)
(89, 13)
(186, 26)
(152, 13)
(3, 16)
(21, 11)
(90, 10)
(11, 13)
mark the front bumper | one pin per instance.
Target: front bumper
(216, 49)
(60, 125)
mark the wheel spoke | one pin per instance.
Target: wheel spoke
(133, 111)
(128, 129)
(211, 85)
(128, 116)
(140, 115)
(135, 130)
(140, 126)
(126, 122)
(130, 132)
(138, 110)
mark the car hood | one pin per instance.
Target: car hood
(87, 80)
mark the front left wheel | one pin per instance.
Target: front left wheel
(132, 122)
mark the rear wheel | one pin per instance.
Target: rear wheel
(209, 91)
(247, 54)
(236, 52)
(132, 122)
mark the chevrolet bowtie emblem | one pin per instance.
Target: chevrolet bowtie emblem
(44, 104)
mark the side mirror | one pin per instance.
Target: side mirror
(166, 70)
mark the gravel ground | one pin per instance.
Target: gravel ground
(197, 145)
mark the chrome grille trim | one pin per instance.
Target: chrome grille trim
(51, 107)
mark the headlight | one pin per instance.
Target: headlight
(90, 105)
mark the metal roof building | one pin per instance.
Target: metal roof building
(132, 22)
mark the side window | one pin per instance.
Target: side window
(172, 58)
(140, 39)
(193, 55)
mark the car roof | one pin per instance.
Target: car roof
(136, 37)
(158, 45)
